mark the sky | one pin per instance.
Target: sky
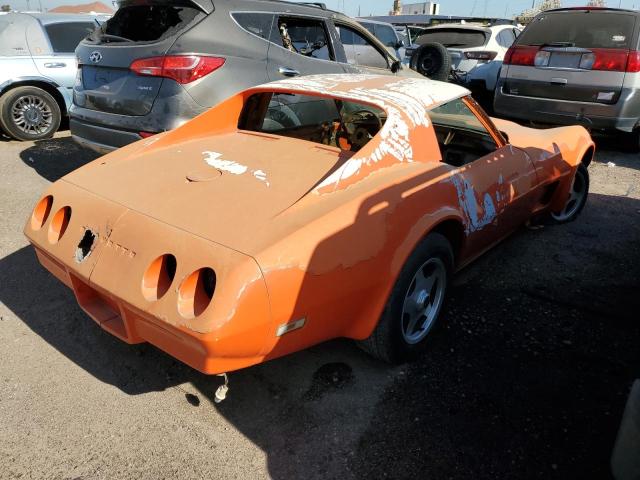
(490, 8)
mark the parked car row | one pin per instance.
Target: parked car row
(155, 64)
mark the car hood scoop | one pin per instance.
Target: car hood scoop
(226, 188)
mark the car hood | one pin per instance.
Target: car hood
(226, 188)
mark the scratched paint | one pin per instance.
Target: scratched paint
(405, 101)
(469, 205)
(214, 159)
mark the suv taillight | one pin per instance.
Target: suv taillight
(181, 68)
(521, 55)
(605, 59)
(602, 59)
(633, 64)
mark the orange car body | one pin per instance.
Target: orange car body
(305, 240)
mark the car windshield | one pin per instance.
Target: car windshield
(346, 125)
(584, 29)
(454, 37)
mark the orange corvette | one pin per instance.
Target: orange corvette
(301, 211)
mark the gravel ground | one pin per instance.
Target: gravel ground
(527, 377)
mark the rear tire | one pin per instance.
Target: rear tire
(29, 113)
(577, 198)
(433, 61)
(415, 303)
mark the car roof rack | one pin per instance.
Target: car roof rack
(320, 5)
(569, 9)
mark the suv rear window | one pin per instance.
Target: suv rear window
(583, 29)
(147, 22)
(65, 37)
(454, 37)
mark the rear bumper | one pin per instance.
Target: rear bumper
(113, 286)
(135, 326)
(100, 139)
(623, 116)
(105, 132)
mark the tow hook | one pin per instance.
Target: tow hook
(221, 392)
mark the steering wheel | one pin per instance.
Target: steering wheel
(358, 128)
(310, 49)
(283, 115)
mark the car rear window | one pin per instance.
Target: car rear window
(454, 37)
(148, 22)
(346, 125)
(583, 29)
(65, 37)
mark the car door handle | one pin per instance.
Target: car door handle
(55, 65)
(559, 81)
(288, 72)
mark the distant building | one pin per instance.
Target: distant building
(423, 8)
(95, 7)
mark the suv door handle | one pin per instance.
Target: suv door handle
(55, 65)
(288, 72)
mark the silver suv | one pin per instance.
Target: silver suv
(158, 63)
(575, 66)
(37, 70)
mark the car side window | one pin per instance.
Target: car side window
(305, 37)
(506, 38)
(461, 135)
(386, 35)
(65, 37)
(359, 50)
(259, 24)
(346, 125)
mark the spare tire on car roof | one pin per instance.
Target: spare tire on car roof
(433, 61)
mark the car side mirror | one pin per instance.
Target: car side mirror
(398, 45)
(396, 66)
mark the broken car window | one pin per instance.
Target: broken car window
(305, 37)
(346, 125)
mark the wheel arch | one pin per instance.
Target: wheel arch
(50, 87)
(448, 224)
(588, 155)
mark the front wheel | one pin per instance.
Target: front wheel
(29, 113)
(577, 197)
(415, 304)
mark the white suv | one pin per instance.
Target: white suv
(476, 51)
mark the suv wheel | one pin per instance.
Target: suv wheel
(29, 113)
